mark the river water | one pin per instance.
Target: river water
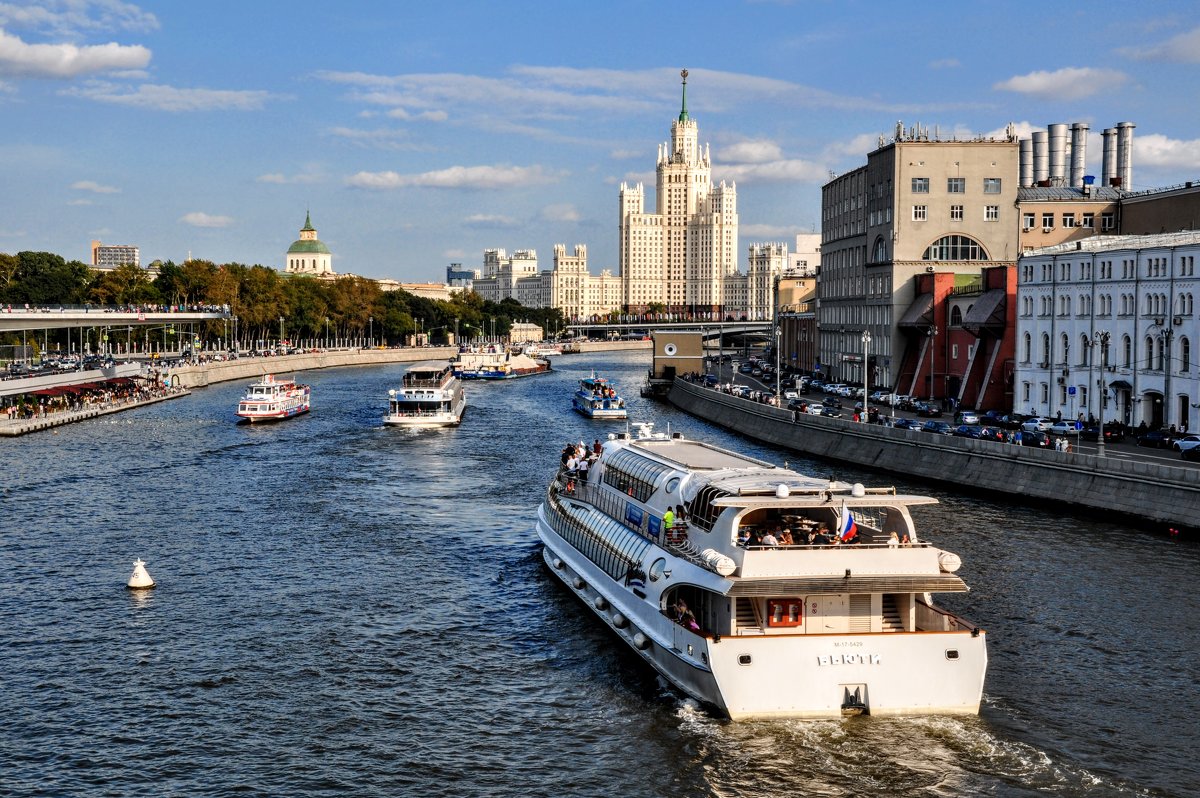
(345, 609)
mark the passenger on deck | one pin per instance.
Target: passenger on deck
(669, 518)
(684, 616)
(582, 468)
(596, 448)
(893, 540)
(770, 540)
(785, 538)
(904, 541)
(680, 515)
(822, 536)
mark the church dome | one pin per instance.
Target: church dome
(307, 247)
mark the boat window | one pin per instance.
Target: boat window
(703, 513)
(672, 484)
(657, 569)
(633, 474)
(605, 541)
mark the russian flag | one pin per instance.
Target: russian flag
(849, 529)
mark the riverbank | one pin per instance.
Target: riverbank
(1146, 492)
(14, 427)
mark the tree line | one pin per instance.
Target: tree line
(348, 307)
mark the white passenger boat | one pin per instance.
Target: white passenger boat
(497, 365)
(272, 400)
(800, 631)
(429, 396)
(596, 397)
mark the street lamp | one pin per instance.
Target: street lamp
(866, 342)
(326, 332)
(281, 331)
(371, 331)
(1101, 340)
(932, 333)
(455, 330)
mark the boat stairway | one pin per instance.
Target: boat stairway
(747, 619)
(891, 615)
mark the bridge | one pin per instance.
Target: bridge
(18, 319)
(710, 329)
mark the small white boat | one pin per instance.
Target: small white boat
(598, 398)
(430, 395)
(274, 400)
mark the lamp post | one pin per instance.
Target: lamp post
(456, 331)
(370, 331)
(1101, 340)
(866, 342)
(281, 332)
(326, 332)
(932, 333)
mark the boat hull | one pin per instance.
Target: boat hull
(585, 408)
(807, 676)
(256, 418)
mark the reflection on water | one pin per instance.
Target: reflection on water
(344, 607)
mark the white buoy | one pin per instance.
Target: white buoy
(140, 580)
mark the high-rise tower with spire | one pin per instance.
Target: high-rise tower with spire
(679, 256)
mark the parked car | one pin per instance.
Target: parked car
(1062, 428)
(1191, 454)
(1037, 424)
(1113, 432)
(1039, 440)
(1012, 421)
(831, 412)
(1156, 439)
(928, 410)
(967, 417)
(832, 401)
(907, 423)
(937, 427)
(1185, 443)
(967, 431)
(816, 410)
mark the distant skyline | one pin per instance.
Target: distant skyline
(419, 135)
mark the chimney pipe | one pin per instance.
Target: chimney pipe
(1041, 157)
(1058, 154)
(1079, 132)
(1109, 170)
(1025, 153)
(1125, 154)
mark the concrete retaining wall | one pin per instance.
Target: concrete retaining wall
(1137, 489)
(252, 367)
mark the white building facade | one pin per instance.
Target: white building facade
(1106, 328)
(679, 256)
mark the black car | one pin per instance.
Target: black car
(928, 410)
(1113, 432)
(937, 427)
(1156, 439)
(1038, 440)
(907, 423)
(1191, 454)
(831, 412)
(967, 431)
(832, 402)
(1011, 421)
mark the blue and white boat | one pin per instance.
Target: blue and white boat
(598, 398)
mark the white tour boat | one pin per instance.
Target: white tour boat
(807, 630)
(272, 400)
(429, 396)
(596, 397)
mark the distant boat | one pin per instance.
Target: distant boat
(274, 400)
(542, 350)
(429, 396)
(497, 366)
(598, 398)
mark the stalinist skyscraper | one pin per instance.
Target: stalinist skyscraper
(679, 256)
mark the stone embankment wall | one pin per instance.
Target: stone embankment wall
(1146, 491)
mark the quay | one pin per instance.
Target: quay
(11, 428)
(1141, 491)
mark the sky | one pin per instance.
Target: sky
(420, 134)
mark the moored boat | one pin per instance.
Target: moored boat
(497, 366)
(680, 547)
(429, 396)
(596, 397)
(274, 399)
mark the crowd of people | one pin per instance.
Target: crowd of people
(106, 396)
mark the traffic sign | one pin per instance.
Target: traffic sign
(1078, 425)
(1070, 390)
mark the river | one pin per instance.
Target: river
(350, 609)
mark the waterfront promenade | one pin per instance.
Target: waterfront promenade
(12, 426)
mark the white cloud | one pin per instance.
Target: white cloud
(1069, 83)
(18, 59)
(1183, 48)
(750, 151)
(278, 178)
(94, 187)
(627, 154)
(945, 63)
(793, 170)
(382, 138)
(428, 116)
(456, 255)
(473, 177)
(170, 98)
(1155, 150)
(80, 202)
(561, 212)
(73, 17)
(489, 220)
(201, 219)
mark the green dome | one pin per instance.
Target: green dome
(309, 247)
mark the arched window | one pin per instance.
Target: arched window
(1126, 351)
(1064, 348)
(955, 317)
(879, 253)
(1149, 352)
(1085, 351)
(955, 248)
(1028, 348)
(1046, 348)
(1185, 355)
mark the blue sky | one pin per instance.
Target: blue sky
(420, 134)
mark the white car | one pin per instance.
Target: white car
(790, 395)
(815, 410)
(1037, 424)
(1185, 443)
(1062, 428)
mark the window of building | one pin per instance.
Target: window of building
(954, 349)
(879, 254)
(956, 213)
(991, 185)
(1068, 220)
(991, 213)
(920, 185)
(1126, 351)
(956, 185)
(955, 248)
(1185, 354)
(1045, 350)
(1089, 221)
(1027, 349)
(1025, 387)
(919, 212)
(1047, 221)
(1027, 221)
(1045, 393)
(1107, 221)
(955, 316)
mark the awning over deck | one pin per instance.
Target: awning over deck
(803, 586)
